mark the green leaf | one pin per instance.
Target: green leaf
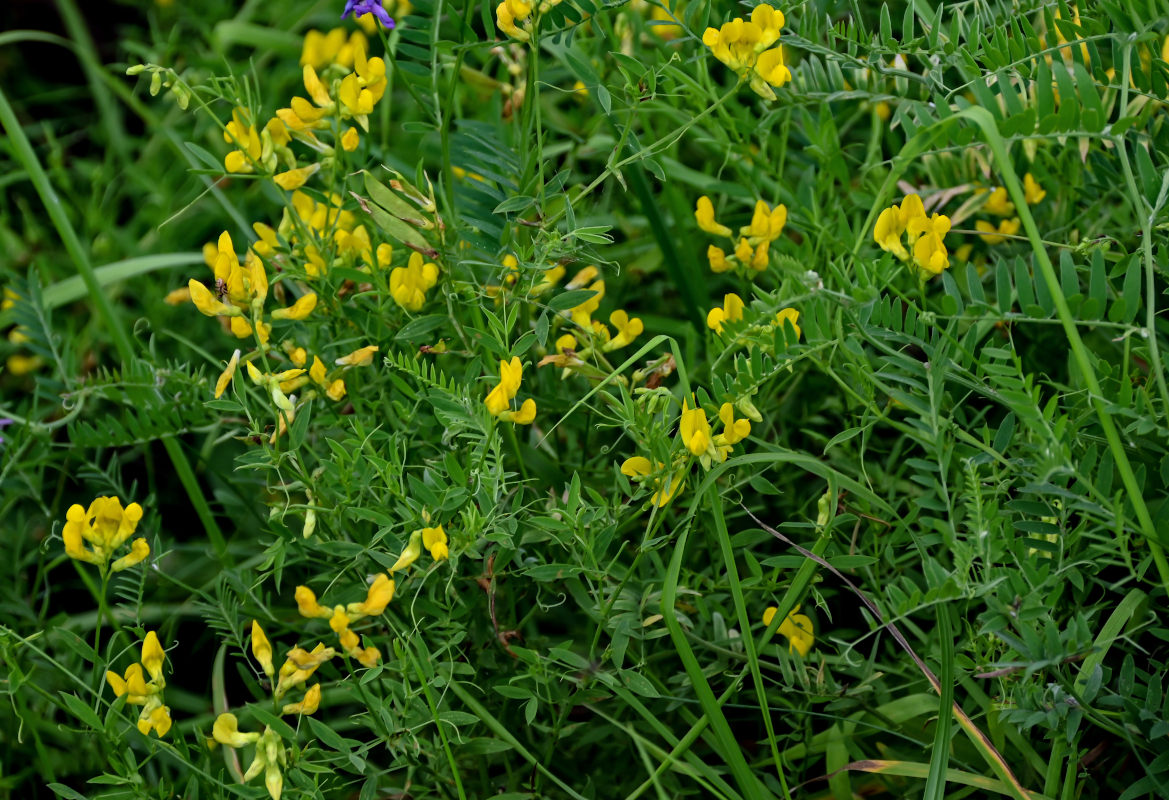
(83, 712)
(570, 299)
(421, 327)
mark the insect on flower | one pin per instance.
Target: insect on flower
(220, 289)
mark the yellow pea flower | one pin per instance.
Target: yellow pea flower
(887, 232)
(226, 731)
(410, 554)
(734, 430)
(506, 17)
(207, 303)
(911, 209)
(362, 357)
(993, 235)
(350, 139)
(435, 540)
(718, 259)
(499, 399)
(731, 311)
(309, 705)
(929, 250)
(695, 430)
(704, 214)
(766, 223)
(262, 649)
(293, 179)
(153, 656)
(998, 204)
(379, 595)
(298, 310)
(307, 605)
(791, 317)
(665, 487)
(1033, 193)
(139, 550)
(627, 330)
(409, 284)
(94, 535)
(796, 628)
(226, 376)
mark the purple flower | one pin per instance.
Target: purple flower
(4, 423)
(361, 7)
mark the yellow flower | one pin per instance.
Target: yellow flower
(583, 278)
(1033, 193)
(153, 656)
(695, 430)
(718, 259)
(929, 249)
(309, 705)
(177, 297)
(226, 376)
(298, 310)
(154, 715)
(766, 223)
(207, 303)
(582, 314)
(245, 137)
(704, 214)
(731, 311)
(336, 390)
(410, 554)
(734, 430)
(911, 208)
(665, 487)
(262, 649)
(499, 399)
(796, 628)
(508, 13)
(361, 89)
(409, 284)
(139, 550)
(295, 178)
(627, 330)
(105, 527)
(435, 540)
(362, 357)
(307, 605)
(742, 46)
(998, 204)
(378, 596)
(887, 232)
(226, 731)
(997, 235)
(350, 139)
(791, 317)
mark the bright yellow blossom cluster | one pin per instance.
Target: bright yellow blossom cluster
(697, 439)
(750, 249)
(498, 400)
(241, 291)
(378, 596)
(796, 628)
(925, 234)
(510, 15)
(105, 527)
(998, 205)
(743, 46)
(155, 716)
(732, 311)
(270, 751)
(409, 284)
(433, 539)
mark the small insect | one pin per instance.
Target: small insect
(220, 289)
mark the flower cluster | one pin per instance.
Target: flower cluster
(409, 284)
(743, 46)
(796, 628)
(998, 205)
(731, 311)
(696, 439)
(340, 617)
(140, 692)
(105, 526)
(270, 751)
(498, 400)
(241, 292)
(749, 251)
(510, 15)
(925, 235)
